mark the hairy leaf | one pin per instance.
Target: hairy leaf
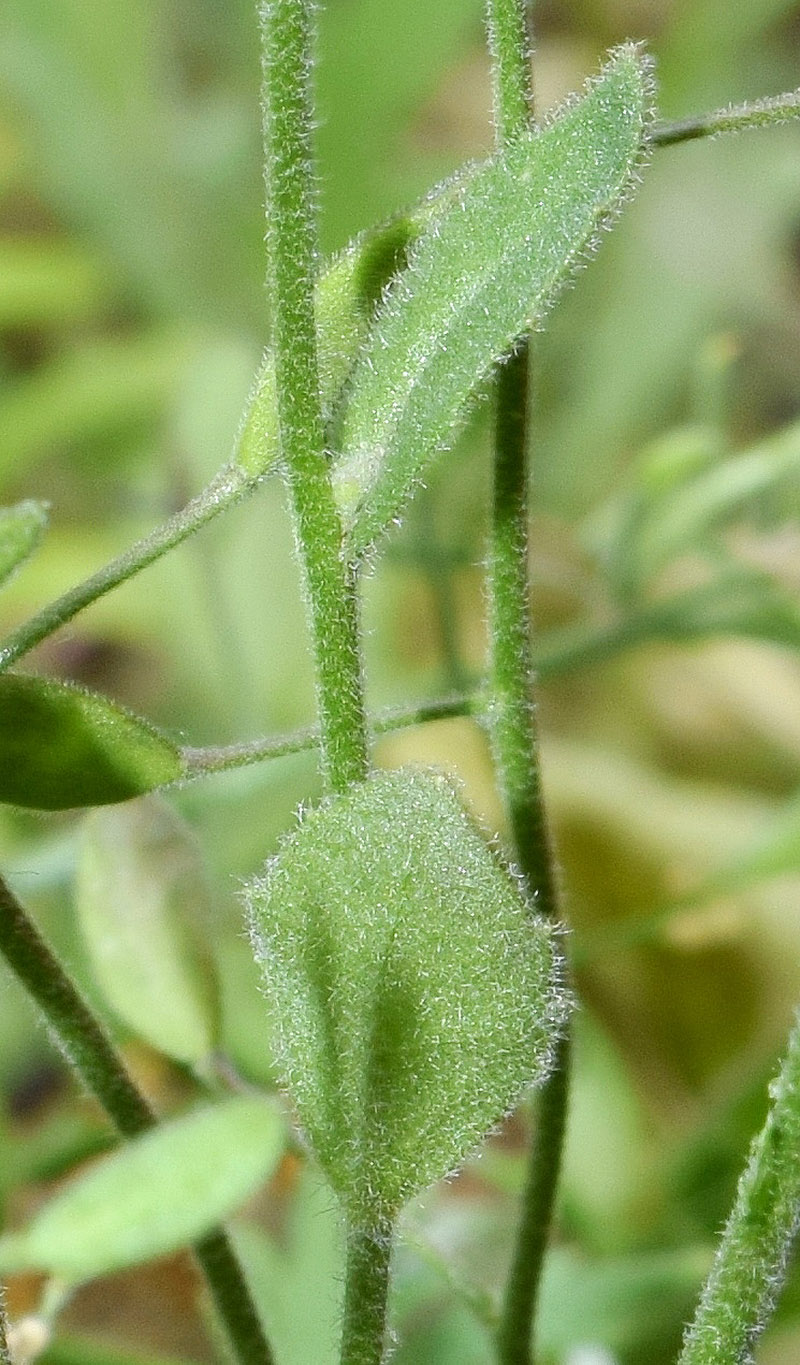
(411, 985)
(142, 902)
(21, 529)
(61, 746)
(154, 1195)
(487, 271)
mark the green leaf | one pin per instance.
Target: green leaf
(486, 272)
(411, 985)
(61, 746)
(21, 529)
(142, 902)
(154, 1195)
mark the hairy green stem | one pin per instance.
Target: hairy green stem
(515, 741)
(512, 713)
(293, 262)
(753, 1256)
(512, 83)
(229, 486)
(513, 725)
(201, 762)
(366, 1289)
(737, 119)
(88, 1049)
(522, 1290)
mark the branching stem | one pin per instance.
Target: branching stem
(737, 119)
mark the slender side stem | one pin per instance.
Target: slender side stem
(366, 1289)
(201, 762)
(293, 262)
(228, 487)
(734, 120)
(513, 718)
(752, 1258)
(89, 1051)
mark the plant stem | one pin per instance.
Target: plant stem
(512, 83)
(293, 262)
(228, 487)
(201, 762)
(544, 1163)
(512, 713)
(91, 1054)
(514, 729)
(516, 746)
(366, 1289)
(734, 120)
(752, 1258)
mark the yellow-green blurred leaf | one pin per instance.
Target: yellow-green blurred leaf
(156, 1194)
(21, 529)
(142, 902)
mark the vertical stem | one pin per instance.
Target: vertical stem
(522, 1290)
(514, 727)
(366, 1288)
(89, 1051)
(292, 258)
(512, 82)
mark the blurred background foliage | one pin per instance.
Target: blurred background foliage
(666, 583)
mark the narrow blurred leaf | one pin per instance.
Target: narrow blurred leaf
(154, 1195)
(488, 270)
(686, 515)
(61, 746)
(21, 529)
(142, 903)
(411, 985)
